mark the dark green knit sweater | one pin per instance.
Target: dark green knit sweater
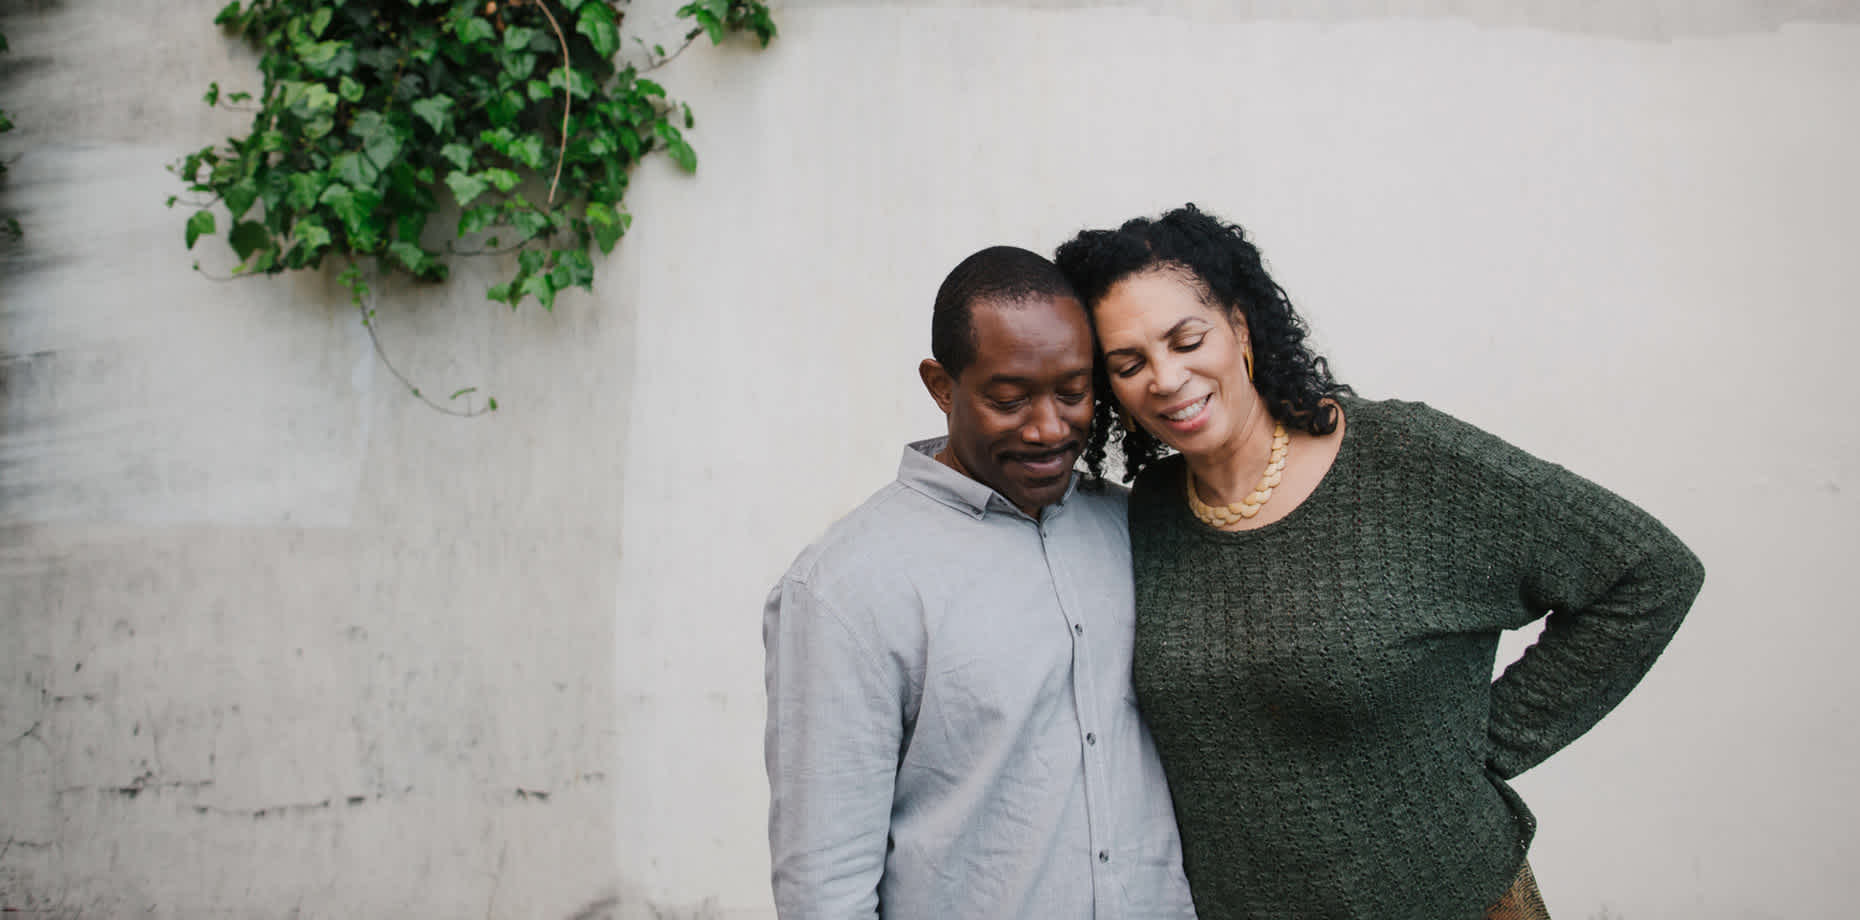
(1320, 688)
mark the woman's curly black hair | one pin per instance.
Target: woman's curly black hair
(1226, 266)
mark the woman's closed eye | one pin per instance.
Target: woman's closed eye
(1127, 369)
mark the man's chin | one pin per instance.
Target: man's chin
(1038, 493)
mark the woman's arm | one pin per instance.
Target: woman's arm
(1616, 584)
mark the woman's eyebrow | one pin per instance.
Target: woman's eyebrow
(1132, 349)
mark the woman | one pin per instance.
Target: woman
(1321, 584)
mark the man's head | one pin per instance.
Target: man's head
(1012, 368)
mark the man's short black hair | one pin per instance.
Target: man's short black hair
(998, 273)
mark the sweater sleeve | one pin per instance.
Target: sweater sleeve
(1615, 583)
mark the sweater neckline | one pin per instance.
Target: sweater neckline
(1321, 495)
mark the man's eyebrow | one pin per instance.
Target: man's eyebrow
(1012, 380)
(1132, 349)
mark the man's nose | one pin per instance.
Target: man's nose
(1045, 425)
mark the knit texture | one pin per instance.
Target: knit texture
(1320, 688)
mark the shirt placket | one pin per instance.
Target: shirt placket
(1106, 900)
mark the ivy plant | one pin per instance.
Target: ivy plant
(376, 116)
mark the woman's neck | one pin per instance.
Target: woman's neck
(1229, 472)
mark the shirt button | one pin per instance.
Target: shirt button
(1091, 738)
(1104, 856)
(1078, 629)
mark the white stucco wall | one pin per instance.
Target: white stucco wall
(278, 640)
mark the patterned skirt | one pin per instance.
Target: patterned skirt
(1522, 902)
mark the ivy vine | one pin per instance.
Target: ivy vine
(375, 117)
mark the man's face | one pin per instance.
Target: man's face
(1020, 413)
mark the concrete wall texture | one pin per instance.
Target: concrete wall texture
(279, 641)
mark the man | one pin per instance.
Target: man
(951, 730)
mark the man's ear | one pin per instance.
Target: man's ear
(941, 385)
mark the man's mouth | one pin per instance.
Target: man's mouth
(1046, 464)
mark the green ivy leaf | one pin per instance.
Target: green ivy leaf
(435, 111)
(309, 100)
(356, 208)
(327, 59)
(504, 108)
(247, 238)
(579, 85)
(539, 287)
(311, 234)
(355, 170)
(409, 255)
(518, 38)
(465, 187)
(382, 148)
(500, 292)
(597, 22)
(348, 89)
(573, 268)
(458, 155)
(504, 179)
(228, 15)
(606, 225)
(319, 21)
(213, 94)
(474, 30)
(239, 198)
(305, 187)
(201, 223)
(528, 224)
(683, 155)
(476, 219)
(518, 66)
(527, 150)
(713, 26)
(628, 139)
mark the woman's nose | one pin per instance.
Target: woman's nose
(1167, 377)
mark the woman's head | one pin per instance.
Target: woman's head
(1178, 302)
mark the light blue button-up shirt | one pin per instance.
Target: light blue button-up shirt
(951, 729)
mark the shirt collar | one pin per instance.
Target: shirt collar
(922, 471)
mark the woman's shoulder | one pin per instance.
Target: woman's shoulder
(1396, 430)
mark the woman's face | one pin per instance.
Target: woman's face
(1175, 363)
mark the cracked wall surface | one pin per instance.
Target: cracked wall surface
(275, 640)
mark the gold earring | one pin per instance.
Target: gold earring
(1246, 354)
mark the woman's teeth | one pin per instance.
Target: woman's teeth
(1189, 411)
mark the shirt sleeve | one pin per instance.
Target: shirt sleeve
(835, 726)
(1616, 584)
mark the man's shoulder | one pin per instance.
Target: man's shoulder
(880, 534)
(1100, 498)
